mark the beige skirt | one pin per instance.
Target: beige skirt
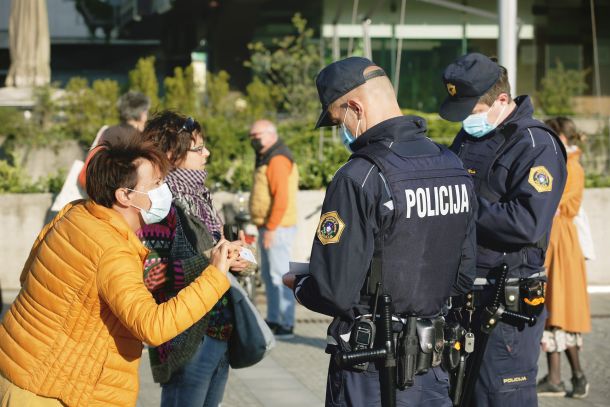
(558, 340)
(14, 396)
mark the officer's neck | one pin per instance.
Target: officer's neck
(381, 114)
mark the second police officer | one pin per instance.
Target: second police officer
(400, 211)
(518, 166)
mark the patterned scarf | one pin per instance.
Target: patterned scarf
(188, 187)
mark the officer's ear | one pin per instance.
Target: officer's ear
(356, 107)
(504, 98)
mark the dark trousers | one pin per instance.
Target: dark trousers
(510, 364)
(346, 388)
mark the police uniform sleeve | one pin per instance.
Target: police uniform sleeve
(342, 250)
(534, 177)
(468, 262)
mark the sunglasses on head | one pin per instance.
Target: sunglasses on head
(189, 125)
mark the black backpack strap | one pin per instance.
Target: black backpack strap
(371, 153)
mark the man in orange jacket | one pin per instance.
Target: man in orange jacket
(273, 210)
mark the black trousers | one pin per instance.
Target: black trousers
(510, 364)
(347, 388)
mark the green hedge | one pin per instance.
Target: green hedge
(282, 89)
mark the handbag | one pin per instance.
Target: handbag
(583, 230)
(251, 339)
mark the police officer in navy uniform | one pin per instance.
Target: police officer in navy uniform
(402, 206)
(518, 166)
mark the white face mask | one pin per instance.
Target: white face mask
(161, 202)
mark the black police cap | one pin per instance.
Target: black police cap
(467, 79)
(337, 79)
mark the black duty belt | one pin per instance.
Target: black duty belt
(484, 281)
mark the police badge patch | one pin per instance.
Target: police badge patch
(541, 179)
(451, 89)
(330, 228)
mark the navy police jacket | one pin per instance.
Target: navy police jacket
(404, 205)
(519, 172)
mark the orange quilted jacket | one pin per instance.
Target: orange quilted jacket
(76, 329)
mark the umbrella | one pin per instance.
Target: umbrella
(29, 44)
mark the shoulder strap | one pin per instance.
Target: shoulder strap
(372, 152)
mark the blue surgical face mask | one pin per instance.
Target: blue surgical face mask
(347, 137)
(477, 125)
(160, 203)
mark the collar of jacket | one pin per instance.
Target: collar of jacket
(116, 220)
(401, 128)
(279, 148)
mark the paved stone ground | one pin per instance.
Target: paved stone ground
(294, 374)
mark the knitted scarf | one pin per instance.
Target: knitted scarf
(188, 187)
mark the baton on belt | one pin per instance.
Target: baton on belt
(383, 351)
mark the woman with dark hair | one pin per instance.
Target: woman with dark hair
(567, 299)
(192, 368)
(73, 336)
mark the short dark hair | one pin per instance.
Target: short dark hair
(116, 134)
(115, 165)
(565, 126)
(501, 86)
(131, 106)
(166, 130)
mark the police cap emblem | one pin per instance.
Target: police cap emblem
(451, 89)
(541, 179)
(330, 228)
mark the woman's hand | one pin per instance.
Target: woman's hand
(224, 255)
(289, 279)
(240, 264)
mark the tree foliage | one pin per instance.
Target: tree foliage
(288, 70)
(180, 93)
(143, 78)
(558, 87)
(282, 90)
(87, 108)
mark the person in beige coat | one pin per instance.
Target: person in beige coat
(567, 300)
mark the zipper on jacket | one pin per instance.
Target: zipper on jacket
(460, 150)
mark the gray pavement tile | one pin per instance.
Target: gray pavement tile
(294, 374)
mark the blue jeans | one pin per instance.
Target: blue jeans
(202, 381)
(274, 264)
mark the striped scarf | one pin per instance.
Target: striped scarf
(188, 187)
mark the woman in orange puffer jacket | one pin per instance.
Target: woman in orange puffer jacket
(74, 334)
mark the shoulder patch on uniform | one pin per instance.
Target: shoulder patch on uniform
(541, 179)
(330, 228)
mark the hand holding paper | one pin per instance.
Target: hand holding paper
(247, 255)
(295, 269)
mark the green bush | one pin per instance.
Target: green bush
(289, 70)
(282, 90)
(180, 93)
(439, 130)
(597, 181)
(558, 87)
(143, 78)
(87, 108)
(12, 124)
(13, 179)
